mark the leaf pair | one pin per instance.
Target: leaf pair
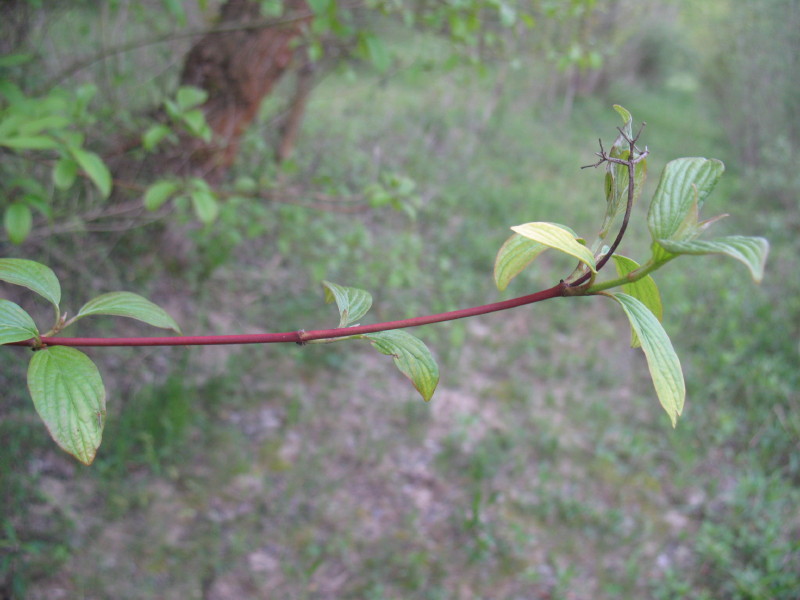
(64, 383)
(674, 219)
(411, 356)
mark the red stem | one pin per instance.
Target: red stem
(302, 336)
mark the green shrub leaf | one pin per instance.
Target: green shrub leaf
(514, 255)
(158, 193)
(95, 169)
(29, 142)
(645, 290)
(751, 251)
(189, 97)
(69, 396)
(128, 304)
(557, 237)
(411, 356)
(153, 136)
(32, 275)
(64, 173)
(18, 221)
(205, 205)
(664, 365)
(353, 303)
(684, 186)
(16, 325)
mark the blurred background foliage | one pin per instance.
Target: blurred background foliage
(396, 146)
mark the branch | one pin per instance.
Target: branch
(301, 336)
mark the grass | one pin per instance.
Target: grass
(543, 467)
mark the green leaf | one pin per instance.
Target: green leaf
(353, 303)
(645, 290)
(32, 275)
(69, 396)
(664, 365)
(514, 255)
(17, 221)
(684, 186)
(64, 173)
(205, 205)
(16, 325)
(154, 135)
(30, 142)
(95, 168)
(128, 304)
(158, 193)
(196, 123)
(189, 97)
(557, 237)
(411, 356)
(751, 251)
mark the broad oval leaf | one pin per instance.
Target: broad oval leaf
(645, 290)
(411, 356)
(190, 96)
(663, 363)
(684, 186)
(158, 193)
(152, 137)
(17, 221)
(32, 275)
(514, 255)
(16, 325)
(751, 251)
(128, 304)
(557, 237)
(95, 169)
(353, 303)
(69, 396)
(64, 173)
(205, 205)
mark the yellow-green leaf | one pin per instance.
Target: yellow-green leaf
(128, 304)
(750, 251)
(514, 255)
(663, 363)
(16, 325)
(411, 356)
(557, 237)
(69, 395)
(645, 290)
(353, 303)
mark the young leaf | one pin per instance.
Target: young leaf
(29, 142)
(411, 356)
(684, 185)
(205, 205)
(353, 303)
(665, 368)
(557, 237)
(69, 396)
(189, 97)
(514, 255)
(16, 325)
(127, 304)
(158, 193)
(32, 275)
(644, 290)
(18, 221)
(751, 251)
(64, 173)
(154, 135)
(95, 169)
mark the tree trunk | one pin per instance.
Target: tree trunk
(237, 68)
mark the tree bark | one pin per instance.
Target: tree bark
(237, 68)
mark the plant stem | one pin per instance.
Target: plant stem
(301, 336)
(631, 277)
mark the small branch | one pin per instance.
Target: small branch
(631, 162)
(301, 336)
